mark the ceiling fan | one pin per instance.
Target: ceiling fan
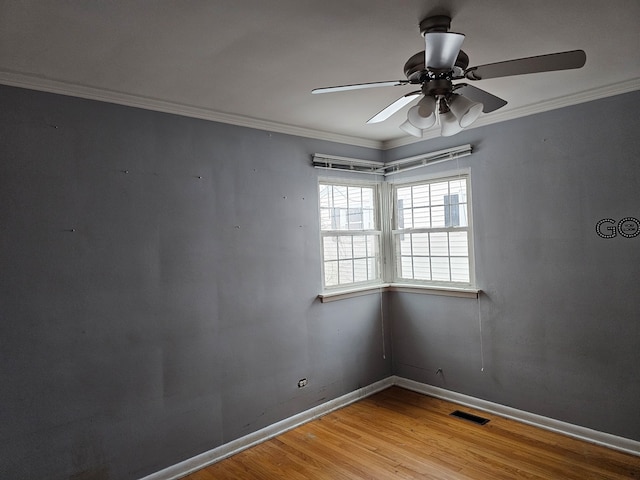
(454, 106)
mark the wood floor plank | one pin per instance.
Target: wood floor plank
(397, 434)
(400, 447)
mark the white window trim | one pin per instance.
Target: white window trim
(387, 264)
(444, 286)
(355, 286)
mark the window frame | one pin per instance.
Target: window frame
(385, 212)
(394, 277)
(377, 232)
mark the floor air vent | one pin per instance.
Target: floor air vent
(469, 417)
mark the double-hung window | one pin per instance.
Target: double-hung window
(350, 231)
(431, 232)
(414, 234)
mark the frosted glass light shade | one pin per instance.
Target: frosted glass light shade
(418, 121)
(427, 106)
(410, 129)
(449, 124)
(465, 110)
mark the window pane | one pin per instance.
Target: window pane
(458, 215)
(421, 195)
(460, 269)
(331, 273)
(368, 219)
(421, 218)
(355, 197)
(458, 245)
(372, 245)
(421, 268)
(438, 192)
(340, 196)
(344, 247)
(345, 274)
(325, 219)
(406, 267)
(459, 187)
(325, 195)
(439, 244)
(403, 243)
(440, 269)
(355, 218)
(420, 243)
(330, 248)
(359, 246)
(438, 217)
(360, 270)
(372, 266)
(368, 198)
(464, 219)
(403, 194)
(339, 219)
(451, 213)
(405, 218)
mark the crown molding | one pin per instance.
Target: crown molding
(34, 82)
(560, 102)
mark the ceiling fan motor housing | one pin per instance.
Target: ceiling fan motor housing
(416, 71)
(438, 86)
(436, 23)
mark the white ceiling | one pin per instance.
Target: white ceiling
(254, 62)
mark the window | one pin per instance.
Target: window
(431, 232)
(415, 233)
(349, 225)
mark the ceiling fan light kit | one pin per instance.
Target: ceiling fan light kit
(456, 106)
(465, 110)
(427, 106)
(409, 128)
(423, 114)
(449, 124)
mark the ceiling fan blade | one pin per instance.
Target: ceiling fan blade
(441, 49)
(358, 86)
(521, 66)
(489, 101)
(386, 112)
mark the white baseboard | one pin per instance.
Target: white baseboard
(586, 434)
(223, 451)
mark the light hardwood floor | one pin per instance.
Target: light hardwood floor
(399, 434)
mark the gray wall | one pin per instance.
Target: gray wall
(181, 311)
(560, 309)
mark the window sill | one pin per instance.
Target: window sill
(435, 290)
(353, 292)
(399, 287)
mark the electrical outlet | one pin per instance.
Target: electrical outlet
(302, 383)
